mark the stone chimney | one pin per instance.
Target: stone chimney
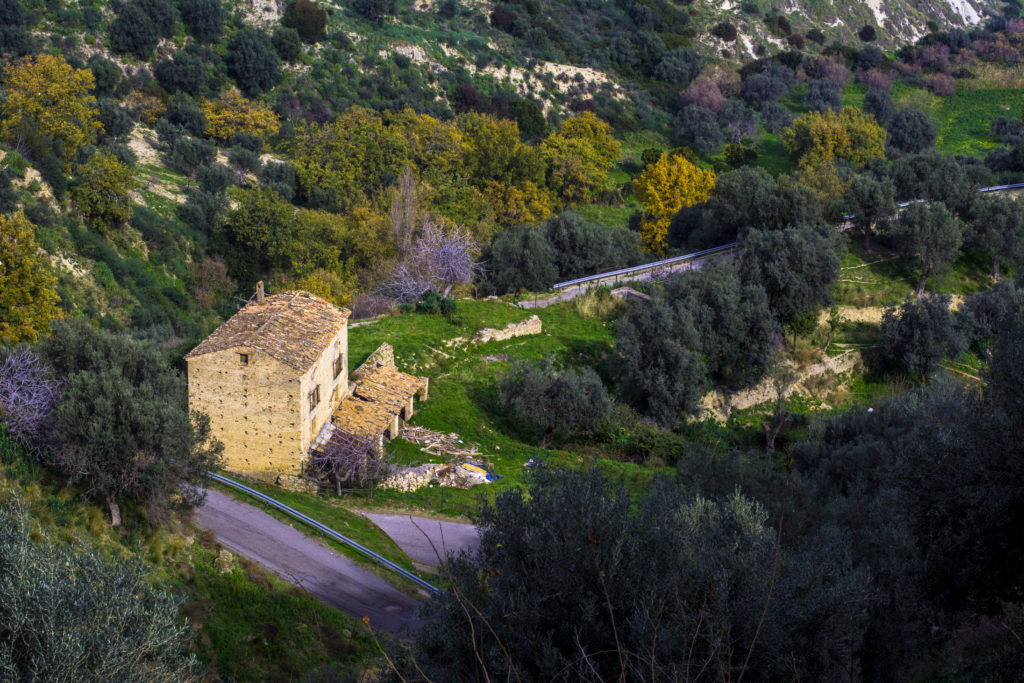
(259, 292)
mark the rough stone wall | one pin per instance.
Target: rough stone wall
(531, 325)
(254, 409)
(384, 356)
(331, 392)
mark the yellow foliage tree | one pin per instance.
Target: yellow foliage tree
(494, 152)
(822, 175)
(596, 133)
(48, 99)
(232, 113)
(514, 204)
(344, 163)
(435, 147)
(665, 187)
(579, 156)
(334, 286)
(28, 300)
(849, 134)
(102, 191)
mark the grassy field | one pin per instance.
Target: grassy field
(464, 394)
(246, 624)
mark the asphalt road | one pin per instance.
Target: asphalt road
(301, 560)
(427, 541)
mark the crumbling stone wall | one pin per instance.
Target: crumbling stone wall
(384, 357)
(531, 325)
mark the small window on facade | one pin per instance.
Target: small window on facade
(339, 365)
(314, 397)
(243, 358)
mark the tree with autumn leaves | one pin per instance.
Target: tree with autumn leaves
(818, 139)
(49, 106)
(666, 186)
(28, 301)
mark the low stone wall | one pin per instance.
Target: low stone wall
(720, 404)
(531, 325)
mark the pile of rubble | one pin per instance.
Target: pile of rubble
(407, 479)
(457, 475)
(436, 443)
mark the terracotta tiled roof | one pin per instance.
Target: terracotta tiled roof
(364, 419)
(292, 327)
(378, 397)
(388, 386)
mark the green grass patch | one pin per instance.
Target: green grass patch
(612, 216)
(464, 399)
(414, 334)
(771, 155)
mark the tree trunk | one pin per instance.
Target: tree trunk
(995, 267)
(828, 339)
(867, 238)
(920, 284)
(772, 429)
(115, 512)
(337, 486)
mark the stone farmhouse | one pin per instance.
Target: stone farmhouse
(274, 380)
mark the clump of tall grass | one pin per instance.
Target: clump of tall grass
(597, 303)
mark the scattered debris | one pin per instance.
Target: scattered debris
(498, 358)
(461, 475)
(436, 443)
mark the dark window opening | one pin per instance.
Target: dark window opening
(314, 398)
(339, 365)
(243, 358)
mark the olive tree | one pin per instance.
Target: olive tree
(123, 423)
(928, 236)
(69, 613)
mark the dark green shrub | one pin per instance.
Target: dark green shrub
(117, 122)
(252, 62)
(162, 13)
(201, 210)
(374, 10)
(134, 33)
(552, 401)
(107, 74)
(204, 19)
(308, 19)
(214, 178)
(287, 43)
(186, 73)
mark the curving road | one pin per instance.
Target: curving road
(295, 557)
(424, 540)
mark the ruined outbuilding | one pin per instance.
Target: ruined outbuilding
(274, 380)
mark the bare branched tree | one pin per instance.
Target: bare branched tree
(348, 458)
(28, 396)
(439, 260)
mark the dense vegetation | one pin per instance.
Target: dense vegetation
(161, 157)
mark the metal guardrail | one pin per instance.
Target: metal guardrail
(324, 529)
(654, 265)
